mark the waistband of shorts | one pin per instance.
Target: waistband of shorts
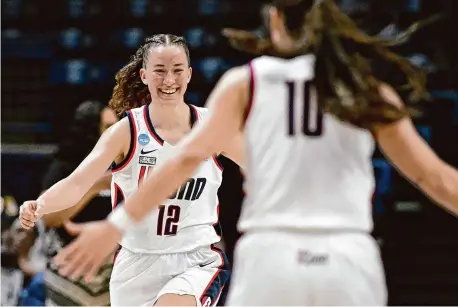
(197, 249)
(307, 231)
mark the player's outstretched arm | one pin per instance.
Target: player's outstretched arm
(412, 156)
(227, 105)
(57, 218)
(71, 189)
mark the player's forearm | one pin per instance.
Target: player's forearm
(163, 181)
(443, 188)
(61, 196)
(55, 219)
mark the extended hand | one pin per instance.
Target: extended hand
(29, 213)
(84, 256)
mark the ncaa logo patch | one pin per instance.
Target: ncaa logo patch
(206, 301)
(143, 139)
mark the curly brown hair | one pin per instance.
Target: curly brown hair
(129, 91)
(344, 60)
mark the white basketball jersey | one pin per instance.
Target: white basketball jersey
(304, 169)
(189, 218)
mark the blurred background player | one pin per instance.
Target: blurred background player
(33, 248)
(90, 120)
(12, 276)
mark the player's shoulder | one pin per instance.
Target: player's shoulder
(274, 67)
(201, 111)
(236, 74)
(136, 111)
(235, 80)
(121, 130)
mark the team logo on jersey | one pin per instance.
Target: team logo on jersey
(145, 152)
(147, 160)
(190, 190)
(143, 139)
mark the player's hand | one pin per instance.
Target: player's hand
(89, 251)
(29, 213)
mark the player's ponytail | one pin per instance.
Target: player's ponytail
(344, 78)
(130, 92)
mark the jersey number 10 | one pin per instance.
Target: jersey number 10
(312, 119)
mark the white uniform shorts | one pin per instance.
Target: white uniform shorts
(308, 269)
(139, 279)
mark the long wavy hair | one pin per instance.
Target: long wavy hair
(346, 82)
(129, 91)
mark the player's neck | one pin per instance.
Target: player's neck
(169, 115)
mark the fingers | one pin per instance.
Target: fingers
(61, 258)
(27, 219)
(88, 252)
(73, 228)
(94, 269)
(78, 268)
(75, 261)
(26, 224)
(75, 266)
(29, 214)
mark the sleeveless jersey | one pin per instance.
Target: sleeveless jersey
(304, 169)
(189, 218)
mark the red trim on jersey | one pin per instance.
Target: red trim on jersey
(116, 254)
(216, 224)
(196, 113)
(132, 146)
(115, 198)
(142, 174)
(214, 276)
(147, 122)
(117, 191)
(251, 94)
(215, 159)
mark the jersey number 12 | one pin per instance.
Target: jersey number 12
(312, 118)
(168, 216)
(172, 216)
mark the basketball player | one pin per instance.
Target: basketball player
(170, 258)
(310, 112)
